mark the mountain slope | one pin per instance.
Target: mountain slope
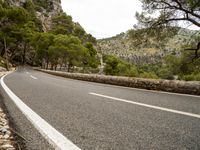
(44, 10)
(124, 46)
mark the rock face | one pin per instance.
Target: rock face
(44, 13)
(122, 46)
(55, 5)
(16, 2)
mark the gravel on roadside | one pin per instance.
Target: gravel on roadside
(7, 140)
(6, 135)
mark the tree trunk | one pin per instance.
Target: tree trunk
(5, 49)
(24, 55)
(61, 65)
(47, 63)
(55, 67)
(65, 66)
(51, 66)
(2, 52)
(68, 68)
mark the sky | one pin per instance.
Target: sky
(104, 18)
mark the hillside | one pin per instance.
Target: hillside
(39, 33)
(124, 46)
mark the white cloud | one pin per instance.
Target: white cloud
(103, 18)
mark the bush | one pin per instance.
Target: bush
(118, 67)
(192, 77)
(89, 70)
(150, 75)
(132, 72)
(165, 73)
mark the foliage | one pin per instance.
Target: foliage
(192, 77)
(63, 24)
(16, 26)
(172, 67)
(65, 45)
(149, 75)
(45, 4)
(148, 38)
(115, 66)
(63, 50)
(169, 13)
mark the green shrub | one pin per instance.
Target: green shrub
(132, 72)
(89, 70)
(150, 75)
(118, 67)
(198, 77)
(165, 73)
(192, 77)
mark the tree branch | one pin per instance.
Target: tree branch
(196, 51)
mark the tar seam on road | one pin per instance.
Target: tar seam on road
(33, 77)
(55, 138)
(149, 106)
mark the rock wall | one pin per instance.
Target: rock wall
(150, 84)
(122, 46)
(16, 2)
(43, 14)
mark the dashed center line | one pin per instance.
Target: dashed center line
(147, 105)
(33, 77)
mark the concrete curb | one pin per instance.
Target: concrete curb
(174, 86)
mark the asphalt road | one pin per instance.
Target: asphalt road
(94, 122)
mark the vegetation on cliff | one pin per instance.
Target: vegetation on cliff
(156, 45)
(23, 41)
(33, 33)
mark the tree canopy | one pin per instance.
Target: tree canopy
(168, 12)
(22, 38)
(159, 14)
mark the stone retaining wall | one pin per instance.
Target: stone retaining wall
(150, 84)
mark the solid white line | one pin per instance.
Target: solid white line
(147, 105)
(137, 89)
(58, 141)
(33, 77)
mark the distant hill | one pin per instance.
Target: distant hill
(124, 46)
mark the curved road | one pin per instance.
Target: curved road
(103, 117)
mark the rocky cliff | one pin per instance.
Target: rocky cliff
(45, 10)
(123, 46)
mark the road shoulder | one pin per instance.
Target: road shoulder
(8, 138)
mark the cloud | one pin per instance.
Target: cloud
(103, 18)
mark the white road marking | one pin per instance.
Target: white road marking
(33, 77)
(27, 73)
(58, 141)
(147, 105)
(132, 88)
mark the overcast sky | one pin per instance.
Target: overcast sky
(104, 18)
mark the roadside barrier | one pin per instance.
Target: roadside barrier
(175, 86)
